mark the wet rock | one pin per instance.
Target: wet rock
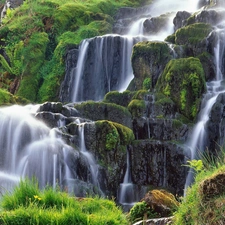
(148, 60)
(159, 164)
(161, 202)
(180, 19)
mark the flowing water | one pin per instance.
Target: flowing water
(29, 148)
(198, 141)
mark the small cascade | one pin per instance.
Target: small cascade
(126, 190)
(90, 159)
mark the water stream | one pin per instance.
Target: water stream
(198, 140)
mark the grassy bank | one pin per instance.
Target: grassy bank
(27, 204)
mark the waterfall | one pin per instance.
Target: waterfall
(198, 141)
(126, 191)
(104, 63)
(90, 159)
(28, 148)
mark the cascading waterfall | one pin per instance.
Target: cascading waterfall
(104, 63)
(29, 148)
(198, 141)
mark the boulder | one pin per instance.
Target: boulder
(183, 81)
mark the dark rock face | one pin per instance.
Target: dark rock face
(148, 60)
(158, 163)
(103, 69)
(125, 16)
(216, 124)
(180, 19)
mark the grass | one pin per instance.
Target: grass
(57, 25)
(204, 202)
(29, 205)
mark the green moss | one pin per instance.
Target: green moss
(192, 34)
(170, 38)
(136, 107)
(113, 135)
(147, 83)
(119, 98)
(204, 199)
(160, 50)
(47, 29)
(183, 81)
(140, 94)
(5, 97)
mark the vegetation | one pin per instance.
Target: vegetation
(36, 36)
(155, 204)
(204, 202)
(29, 205)
(113, 134)
(192, 34)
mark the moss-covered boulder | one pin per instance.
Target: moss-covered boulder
(119, 98)
(156, 203)
(148, 61)
(193, 37)
(184, 82)
(105, 111)
(108, 142)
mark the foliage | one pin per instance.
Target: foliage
(5, 97)
(37, 35)
(204, 202)
(195, 164)
(147, 83)
(29, 205)
(141, 210)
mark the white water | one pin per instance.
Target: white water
(28, 148)
(126, 190)
(136, 33)
(90, 159)
(79, 69)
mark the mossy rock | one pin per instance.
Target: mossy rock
(112, 135)
(148, 61)
(183, 81)
(119, 98)
(156, 203)
(105, 111)
(140, 95)
(136, 107)
(192, 34)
